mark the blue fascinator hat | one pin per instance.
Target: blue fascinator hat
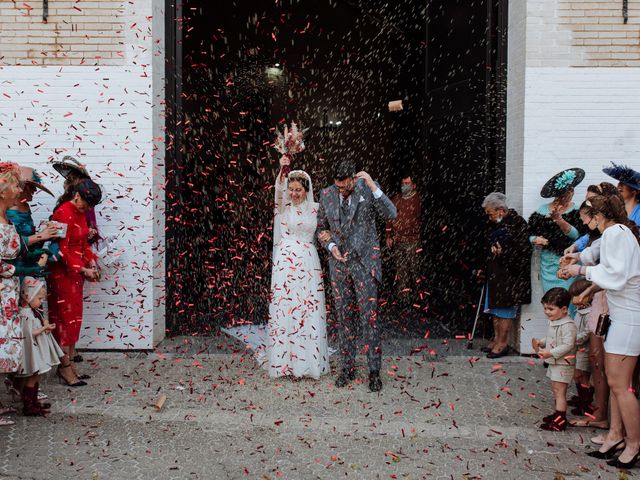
(624, 174)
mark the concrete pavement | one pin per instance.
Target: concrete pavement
(444, 413)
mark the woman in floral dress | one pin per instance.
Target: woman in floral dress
(10, 246)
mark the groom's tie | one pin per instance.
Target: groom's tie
(344, 210)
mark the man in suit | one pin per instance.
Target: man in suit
(347, 229)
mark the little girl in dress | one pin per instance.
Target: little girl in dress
(40, 351)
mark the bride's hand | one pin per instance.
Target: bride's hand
(284, 161)
(324, 236)
(335, 251)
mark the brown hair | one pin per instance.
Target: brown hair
(70, 183)
(604, 188)
(558, 297)
(611, 208)
(595, 233)
(609, 190)
(301, 179)
(579, 286)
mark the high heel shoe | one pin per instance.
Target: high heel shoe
(608, 453)
(502, 353)
(63, 380)
(77, 374)
(626, 465)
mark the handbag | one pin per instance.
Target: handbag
(602, 327)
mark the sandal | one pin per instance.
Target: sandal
(5, 422)
(587, 422)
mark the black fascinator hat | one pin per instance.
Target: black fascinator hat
(624, 174)
(562, 182)
(70, 165)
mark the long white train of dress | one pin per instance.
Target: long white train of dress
(295, 340)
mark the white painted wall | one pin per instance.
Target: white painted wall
(574, 117)
(111, 118)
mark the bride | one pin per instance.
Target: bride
(295, 343)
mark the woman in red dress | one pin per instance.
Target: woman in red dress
(75, 262)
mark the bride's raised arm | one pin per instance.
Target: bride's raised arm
(281, 185)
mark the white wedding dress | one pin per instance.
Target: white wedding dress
(295, 340)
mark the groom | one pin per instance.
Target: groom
(347, 229)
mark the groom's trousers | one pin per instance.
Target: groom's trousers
(355, 293)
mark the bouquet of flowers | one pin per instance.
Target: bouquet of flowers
(289, 143)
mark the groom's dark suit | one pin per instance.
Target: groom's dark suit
(352, 223)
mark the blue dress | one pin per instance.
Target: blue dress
(550, 256)
(634, 216)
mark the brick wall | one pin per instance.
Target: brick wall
(582, 33)
(77, 32)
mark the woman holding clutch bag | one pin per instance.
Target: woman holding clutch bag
(75, 262)
(618, 273)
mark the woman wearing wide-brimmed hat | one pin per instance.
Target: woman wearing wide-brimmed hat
(554, 226)
(74, 172)
(629, 188)
(20, 216)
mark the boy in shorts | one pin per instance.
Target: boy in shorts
(559, 351)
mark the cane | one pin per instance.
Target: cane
(475, 322)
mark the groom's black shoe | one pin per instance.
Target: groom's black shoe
(375, 384)
(345, 377)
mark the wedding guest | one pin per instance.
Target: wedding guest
(40, 351)
(403, 238)
(629, 188)
(590, 255)
(582, 376)
(603, 188)
(558, 351)
(20, 216)
(33, 261)
(507, 266)
(552, 226)
(10, 247)
(74, 172)
(618, 273)
(75, 263)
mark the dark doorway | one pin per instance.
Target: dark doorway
(239, 69)
(466, 139)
